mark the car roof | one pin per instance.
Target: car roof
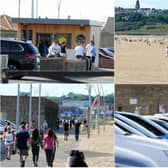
(13, 40)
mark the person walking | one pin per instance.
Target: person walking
(9, 141)
(55, 146)
(77, 129)
(23, 144)
(49, 145)
(90, 54)
(79, 51)
(66, 130)
(35, 145)
(54, 50)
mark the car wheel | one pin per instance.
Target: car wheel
(13, 67)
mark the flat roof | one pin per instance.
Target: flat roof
(57, 21)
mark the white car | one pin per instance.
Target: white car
(128, 158)
(126, 127)
(147, 123)
(154, 149)
(136, 126)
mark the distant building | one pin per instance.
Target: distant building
(7, 28)
(84, 104)
(68, 112)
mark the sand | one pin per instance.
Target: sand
(139, 63)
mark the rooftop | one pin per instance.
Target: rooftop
(57, 21)
(6, 23)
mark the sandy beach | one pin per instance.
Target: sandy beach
(141, 60)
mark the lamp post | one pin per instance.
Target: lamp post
(18, 107)
(30, 108)
(39, 107)
(19, 9)
(59, 7)
(89, 87)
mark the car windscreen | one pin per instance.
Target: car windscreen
(145, 124)
(161, 123)
(124, 129)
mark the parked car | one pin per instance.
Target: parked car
(21, 55)
(128, 158)
(106, 52)
(3, 123)
(135, 125)
(162, 123)
(147, 123)
(154, 149)
(127, 128)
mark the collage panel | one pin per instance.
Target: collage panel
(141, 83)
(80, 116)
(57, 43)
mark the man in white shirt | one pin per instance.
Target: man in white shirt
(90, 54)
(79, 51)
(54, 50)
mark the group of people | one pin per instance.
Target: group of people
(24, 140)
(89, 52)
(77, 124)
(56, 49)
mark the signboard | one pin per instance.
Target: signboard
(80, 38)
(133, 101)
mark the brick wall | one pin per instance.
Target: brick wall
(150, 98)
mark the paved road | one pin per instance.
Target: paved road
(60, 158)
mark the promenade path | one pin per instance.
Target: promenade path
(98, 150)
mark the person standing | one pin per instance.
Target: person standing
(44, 126)
(9, 141)
(90, 54)
(54, 50)
(48, 144)
(23, 143)
(35, 145)
(166, 52)
(77, 129)
(63, 49)
(79, 51)
(66, 130)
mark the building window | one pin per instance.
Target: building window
(26, 35)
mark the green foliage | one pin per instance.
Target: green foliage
(109, 99)
(133, 21)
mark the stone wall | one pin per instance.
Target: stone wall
(49, 109)
(143, 99)
(62, 64)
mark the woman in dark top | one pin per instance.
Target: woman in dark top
(35, 145)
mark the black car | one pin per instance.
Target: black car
(21, 55)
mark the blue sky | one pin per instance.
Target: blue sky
(77, 9)
(54, 89)
(159, 4)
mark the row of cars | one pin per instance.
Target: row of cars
(141, 141)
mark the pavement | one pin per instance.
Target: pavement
(98, 150)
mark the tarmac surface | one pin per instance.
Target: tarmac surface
(98, 150)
